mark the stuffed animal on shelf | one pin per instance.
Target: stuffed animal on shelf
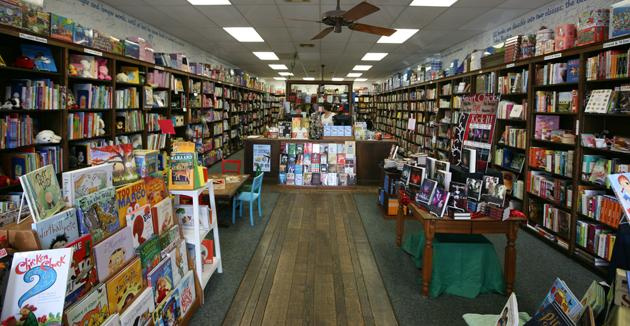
(101, 126)
(47, 137)
(122, 77)
(72, 70)
(13, 103)
(103, 71)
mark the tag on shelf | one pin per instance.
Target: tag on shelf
(553, 56)
(616, 43)
(510, 65)
(93, 52)
(33, 38)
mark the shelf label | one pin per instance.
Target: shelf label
(158, 67)
(616, 43)
(93, 52)
(577, 127)
(33, 38)
(553, 56)
(510, 65)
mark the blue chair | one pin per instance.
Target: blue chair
(250, 197)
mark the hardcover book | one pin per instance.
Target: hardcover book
(473, 188)
(61, 28)
(141, 223)
(146, 162)
(416, 176)
(149, 254)
(81, 182)
(124, 287)
(129, 198)
(169, 240)
(469, 159)
(37, 287)
(207, 251)
(162, 214)
(179, 261)
(598, 101)
(426, 191)
(139, 312)
(124, 169)
(562, 295)
(42, 193)
(82, 277)
(545, 124)
(97, 214)
(155, 189)
(439, 201)
(58, 230)
(92, 309)
(184, 214)
(182, 172)
(41, 56)
(493, 191)
(187, 293)
(443, 178)
(160, 279)
(113, 253)
(458, 196)
(168, 312)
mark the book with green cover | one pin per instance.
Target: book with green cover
(182, 175)
(149, 253)
(97, 214)
(42, 192)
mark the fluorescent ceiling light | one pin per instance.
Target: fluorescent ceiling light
(337, 79)
(278, 67)
(308, 78)
(430, 3)
(266, 55)
(354, 74)
(400, 36)
(285, 73)
(374, 56)
(362, 67)
(245, 34)
(209, 2)
(279, 78)
(360, 79)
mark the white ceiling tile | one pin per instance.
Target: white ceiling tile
(262, 15)
(492, 18)
(416, 17)
(529, 4)
(477, 3)
(224, 16)
(299, 11)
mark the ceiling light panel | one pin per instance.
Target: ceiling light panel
(285, 73)
(432, 3)
(354, 74)
(279, 78)
(360, 79)
(210, 2)
(266, 55)
(337, 79)
(400, 36)
(374, 56)
(308, 78)
(278, 67)
(362, 67)
(245, 34)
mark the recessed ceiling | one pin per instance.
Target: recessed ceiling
(440, 28)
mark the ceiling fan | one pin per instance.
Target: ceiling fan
(338, 18)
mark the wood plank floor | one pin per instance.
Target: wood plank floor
(313, 266)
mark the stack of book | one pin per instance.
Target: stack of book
(512, 48)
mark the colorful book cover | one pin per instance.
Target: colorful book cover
(124, 287)
(139, 312)
(207, 251)
(97, 214)
(416, 176)
(160, 279)
(37, 287)
(149, 253)
(61, 28)
(168, 312)
(187, 293)
(562, 295)
(82, 277)
(552, 314)
(146, 162)
(58, 230)
(91, 310)
(41, 56)
(179, 261)
(113, 253)
(81, 182)
(141, 223)
(620, 184)
(129, 198)
(426, 191)
(544, 125)
(42, 192)
(163, 217)
(439, 201)
(122, 157)
(184, 214)
(156, 189)
(169, 240)
(182, 172)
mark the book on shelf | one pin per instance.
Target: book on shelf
(40, 55)
(81, 182)
(160, 280)
(40, 94)
(557, 220)
(598, 101)
(168, 310)
(85, 125)
(510, 110)
(113, 253)
(557, 102)
(140, 221)
(596, 168)
(42, 193)
(187, 292)
(90, 96)
(595, 239)
(543, 185)
(139, 311)
(609, 64)
(553, 161)
(597, 205)
(544, 125)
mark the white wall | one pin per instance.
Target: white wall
(111, 21)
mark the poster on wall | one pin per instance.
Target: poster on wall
(475, 129)
(262, 157)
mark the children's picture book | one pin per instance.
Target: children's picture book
(58, 230)
(81, 182)
(97, 214)
(82, 277)
(184, 214)
(187, 293)
(133, 74)
(124, 287)
(509, 314)
(169, 311)
(61, 28)
(473, 188)
(552, 314)
(141, 223)
(426, 191)
(493, 191)
(156, 189)
(598, 101)
(416, 176)
(160, 279)
(124, 170)
(139, 312)
(41, 56)
(162, 214)
(113, 253)
(207, 251)
(620, 184)
(169, 240)
(149, 253)
(562, 295)
(545, 124)
(182, 172)
(439, 201)
(91, 310)
(129, 198)
(146, 162)
(37, 287)
(179, 261)
(42, 192)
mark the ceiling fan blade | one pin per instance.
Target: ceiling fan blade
(304, 20)
(323, 33)
(359, 11)
(383, 31)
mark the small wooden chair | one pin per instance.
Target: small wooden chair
(231, 166)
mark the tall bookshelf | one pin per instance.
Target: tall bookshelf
(537, 95)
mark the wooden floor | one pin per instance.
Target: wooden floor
(313, 266)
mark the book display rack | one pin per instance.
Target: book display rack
(561, 128)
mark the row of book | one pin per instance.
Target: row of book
(511, 110)
(558, 73)
(509, 158)
(553, 161)
(156, 141)
(90, 96)
(485, 83)
(608, 101)
(595, 239)
(129, 121)
(513, 82)
(16, 131)
(127, 98)
(514, 137)
(317, 179)
(543, 185)
(557, 220)
(152, 121)
(608, 65)
(85, 125)
(547, 127)
(596, 168)
(23, 163)
(41, 94)
(560, 102)
(597, 205)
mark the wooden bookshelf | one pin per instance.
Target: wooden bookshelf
(392, 108)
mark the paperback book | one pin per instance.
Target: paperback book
(121, 156)
(124, 287)
(473, 188)
(439, 201)
(113, 253)
(425, 194)
(493, 191)
(97, 214)
(416, 176)
(58, 230)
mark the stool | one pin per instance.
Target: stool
(463, 265)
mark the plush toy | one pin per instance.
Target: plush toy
(101, 126)
(72, 70)
(86, 71)
(103, 73)
(71, 103)
(47, 137)
(122, 77)
(12, 103)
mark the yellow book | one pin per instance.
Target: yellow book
(124, 287)
(128, 198)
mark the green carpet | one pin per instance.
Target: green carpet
(536, 267)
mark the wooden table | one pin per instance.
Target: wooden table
(433, 225)
(230, 188)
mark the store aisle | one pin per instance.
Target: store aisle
(313, 265)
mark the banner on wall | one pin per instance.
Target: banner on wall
(262, 157)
